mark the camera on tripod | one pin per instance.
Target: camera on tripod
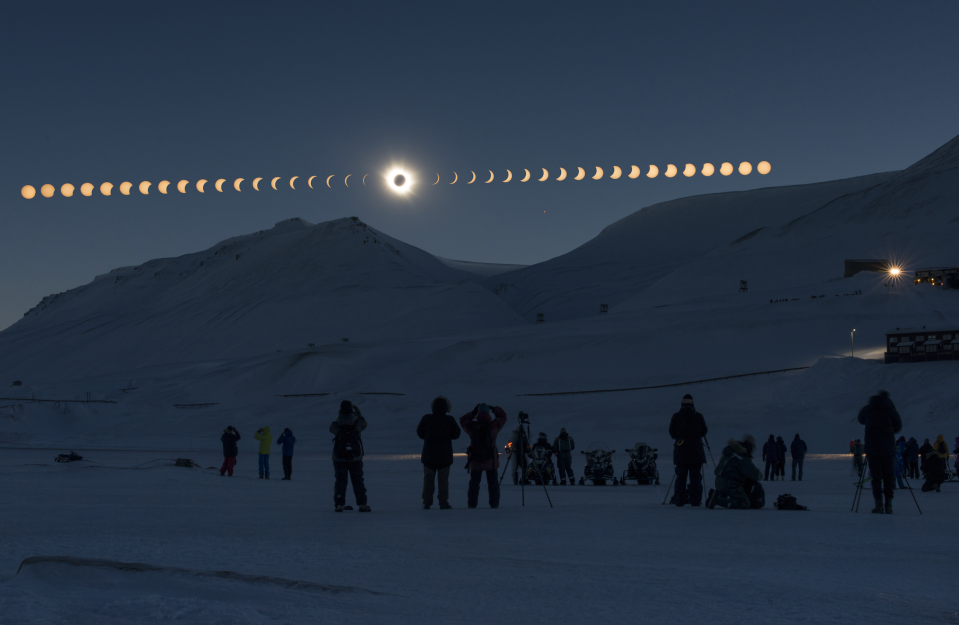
(523, 418)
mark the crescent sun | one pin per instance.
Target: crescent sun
(256, 181)
(581, 173)
(437, 180)
(181, 186)
(509, 176)
(474, 178)
(562, 173)
(634, 172)
(328, 180)
(107, 188)
(144, 187)
(690, 170)
(162, 185)
(125, 187)
(653, 171)
(310, 181)
(364, 179)
(545, 175)
(219, 184)
(527, 176)
(346, 180)
(236, 183)
(199, 185)
(273, 183)
(292, 180)
(599, 173)
(491, 176)
(617, 172)
(455, 177)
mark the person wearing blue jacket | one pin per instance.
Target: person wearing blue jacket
(287, 440)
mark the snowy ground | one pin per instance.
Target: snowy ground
(600, 555)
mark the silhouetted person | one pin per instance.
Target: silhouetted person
(266, 441)
(348, 456)
(771, 457)
(935, 472)
(737, 478)
(288, 441)
(687, 429)
(911, 458)
(882, 423)
(798, 451)
(438, 431)
(230, 450)
(781, 465)
(923, 452)
(482, 453)
(563, 446)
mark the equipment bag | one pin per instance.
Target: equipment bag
(788, 502)
(347, 445)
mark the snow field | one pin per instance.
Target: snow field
(601, 553)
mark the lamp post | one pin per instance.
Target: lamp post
(852, 342)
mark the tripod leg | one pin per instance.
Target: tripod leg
(508, 457)
(909, 486)
(670, 487)
(856, 497)
(543, 480)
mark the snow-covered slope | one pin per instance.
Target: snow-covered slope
(480, 269)
(911, 218)
(281, 288)
(646, 247)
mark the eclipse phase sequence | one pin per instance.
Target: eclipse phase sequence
(400, 181)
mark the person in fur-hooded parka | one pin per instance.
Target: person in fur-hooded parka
(735, 473)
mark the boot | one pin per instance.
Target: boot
(364, 508)
(445, 506)
(338, 509)
(879, 509)
(426, 506)
(889, 505)
(562, 482)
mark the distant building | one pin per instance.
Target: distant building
(938, 276)
(854, 266)
(922, 344)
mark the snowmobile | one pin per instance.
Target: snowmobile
(599, 465)
(642, 465)
(71, 457)
(540, 469)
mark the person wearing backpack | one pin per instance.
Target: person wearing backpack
(798, 452)
(482, 453)
(438, 431)
(266, 440)
(229, 438)
(563, 446)
(348, 456)
(737, 478)
(287, 440)
(687, 429)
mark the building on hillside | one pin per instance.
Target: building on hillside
(854, 266)
(922, 344)
(938, 276)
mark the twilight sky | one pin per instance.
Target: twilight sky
(124, 91)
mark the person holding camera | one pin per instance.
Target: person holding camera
(483, 456)
(563, 447)
(882, 423)
(438, 431)
(266, 440)
(230, 450)
(288, 441)
(687, 429)
(348, 456)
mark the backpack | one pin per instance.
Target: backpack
(564, 444)
(788, 502)
(347, 445)
(481, 447)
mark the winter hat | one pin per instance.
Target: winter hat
(482, 409)
(797, 436)
(687, 400)
(563, 431)
(346, 407)
(772, 438)
(441, 405)
(750, 444)
(542, 435)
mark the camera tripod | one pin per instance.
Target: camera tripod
(860, 486)
(524, 420)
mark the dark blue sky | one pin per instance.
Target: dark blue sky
(99, 92)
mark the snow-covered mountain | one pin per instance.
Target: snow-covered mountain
(294, 284)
